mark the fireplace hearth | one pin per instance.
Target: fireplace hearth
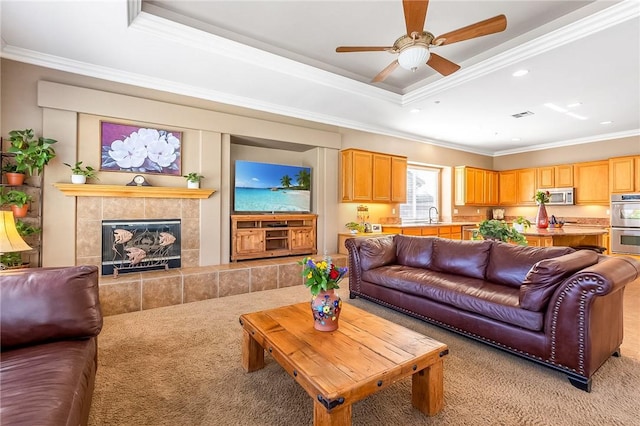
(140, 245)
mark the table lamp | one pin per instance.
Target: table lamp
(10, 239)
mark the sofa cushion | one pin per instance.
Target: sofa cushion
(376, 252)
(414, 251)
(509, 263)
(546, 275)
(475, 295)
(467, 258)
(46, 304)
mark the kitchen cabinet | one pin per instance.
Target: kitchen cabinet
(526, 186)
(507, 188)
(475, 187)
(356, 174)
(517, 187)
(539, 241)
(555, 176)
(372, 177)
(443, 231)
(624, 174)
(591, 181)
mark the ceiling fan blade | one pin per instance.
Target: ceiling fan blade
(442, 65)
(385, 72)
(343, 49)
(415, 13)
(479, 29)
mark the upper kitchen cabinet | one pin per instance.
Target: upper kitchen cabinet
(591, 181)
(373, 177)
(624, 174)
(475, 187)
(507, 187)
(517, 187)
(555, 176)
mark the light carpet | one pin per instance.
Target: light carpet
(181, 365)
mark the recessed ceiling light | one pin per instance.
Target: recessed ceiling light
(575, 104)
(415, 111)
(520, 73)
(606, 122)
(578, 116)
(555, 107)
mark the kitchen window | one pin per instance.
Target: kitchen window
(423, 192)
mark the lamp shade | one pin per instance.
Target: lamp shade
(412, 57)
(10, 239)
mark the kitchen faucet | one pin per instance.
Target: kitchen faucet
(430, 217)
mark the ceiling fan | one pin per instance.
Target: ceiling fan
(413, 48)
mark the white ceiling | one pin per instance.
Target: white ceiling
(279, 57)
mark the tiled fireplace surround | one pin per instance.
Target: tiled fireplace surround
(148, 290)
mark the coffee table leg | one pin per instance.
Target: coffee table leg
(427, 389)
(252, 353)
(339, 416)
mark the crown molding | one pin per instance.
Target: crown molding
(579, 141)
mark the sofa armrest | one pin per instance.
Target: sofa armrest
(355, 267)
(584, 319)
(47, 304)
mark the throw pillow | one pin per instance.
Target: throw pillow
(546, 275)
(376, 252)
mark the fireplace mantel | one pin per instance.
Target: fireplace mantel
(92, 190)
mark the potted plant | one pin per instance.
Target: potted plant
(520, 224)
(80, 174)
(14, 176)
(193, 180)
(494, 229)
(323, 278)
(354, 227)
(18, 201)
(31, 154)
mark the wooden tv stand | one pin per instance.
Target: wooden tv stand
(255, 236)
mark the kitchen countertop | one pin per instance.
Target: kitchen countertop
(565, 230)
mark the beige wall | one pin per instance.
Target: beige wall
(66, 100)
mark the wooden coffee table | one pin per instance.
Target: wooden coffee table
(366, 354)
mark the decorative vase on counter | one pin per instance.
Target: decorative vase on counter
(542, 219)
(326, 307)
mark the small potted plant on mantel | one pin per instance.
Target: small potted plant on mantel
(193, 180)
(80, 174)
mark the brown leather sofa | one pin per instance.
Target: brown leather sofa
(556, 306)
(49, 322)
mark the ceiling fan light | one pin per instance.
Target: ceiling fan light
(412, 57)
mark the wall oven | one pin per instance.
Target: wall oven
(625, 223)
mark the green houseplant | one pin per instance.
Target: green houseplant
(494, 229)
(18, 201)
(354, 227)
(80, 174)
(521, 223)
(31, 153)
(14, 176)
(193, 179)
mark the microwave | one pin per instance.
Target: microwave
(560, 196)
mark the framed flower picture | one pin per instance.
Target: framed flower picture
(135, 149)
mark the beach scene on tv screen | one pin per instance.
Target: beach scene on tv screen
(264, 187)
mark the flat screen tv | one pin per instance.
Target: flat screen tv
(271, 188)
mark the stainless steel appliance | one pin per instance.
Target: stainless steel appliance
(625, 223)
(560, 196)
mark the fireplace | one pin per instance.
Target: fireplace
(140, 245)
